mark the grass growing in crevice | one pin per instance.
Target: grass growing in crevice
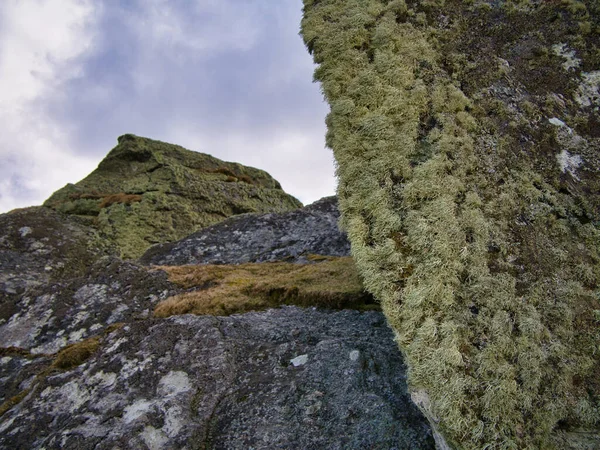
(76, 354)
(227, 289)
(68, 358)
(13, 401)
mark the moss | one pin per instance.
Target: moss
(18, 352)
(76, 354)
(147, 192)
(461, 223)
(13, 401)
(224, 289)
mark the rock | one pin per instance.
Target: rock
(147, 192)
(228, 382)
(86, 362)
(48, 317)
(289, 236)
(467, 142)
(39, 246)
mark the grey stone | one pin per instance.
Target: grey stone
(290, 236)
(229, 383)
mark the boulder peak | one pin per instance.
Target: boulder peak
(146, 192)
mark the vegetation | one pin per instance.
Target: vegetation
(227, 289)
(147, 192)
(67, 358)
(121, 197)
(76, 354)
(485, 255)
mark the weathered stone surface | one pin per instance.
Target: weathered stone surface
(38, 245)
(147, 192)
(289, 236)
(286, 378)
(50, 316)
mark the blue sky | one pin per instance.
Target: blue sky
(226, 77)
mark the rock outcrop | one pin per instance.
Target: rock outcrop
(147, 192)
(466, 137)
(292, 236)
(87, 360)
(39, 246)
(285, 378)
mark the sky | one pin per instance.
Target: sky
(226, 77)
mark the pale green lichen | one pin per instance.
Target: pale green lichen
(486, 261)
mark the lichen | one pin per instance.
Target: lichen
(482, 251)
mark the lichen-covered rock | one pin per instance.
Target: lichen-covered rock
(467, 140)
(289, 236)
(40, 246)
(285, 378)
(147, 192)
(48, 317)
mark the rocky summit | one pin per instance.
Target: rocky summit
(255, 332)
(147, 192)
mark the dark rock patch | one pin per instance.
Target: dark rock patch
(286, 378)
(289, 236)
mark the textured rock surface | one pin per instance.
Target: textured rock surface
(147, 192)
(466, 137)
(286, 378)
(46, 318)
(38, 245)
(84, 365)
(289, 236)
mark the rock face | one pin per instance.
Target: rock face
(290, 236)
(467, 141)
(285, 378)
(147, 192)
(38, 245)
(84, 363)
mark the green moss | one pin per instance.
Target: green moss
(460, 220)
(147, 192)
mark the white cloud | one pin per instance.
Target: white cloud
(297, 160)
(39, 42)
(217, 25)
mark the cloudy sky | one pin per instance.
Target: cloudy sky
(225, 77)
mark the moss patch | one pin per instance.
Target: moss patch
(76, 354)
(224, 289)
(13, 401)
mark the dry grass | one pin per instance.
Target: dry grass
(227, 289)
(76, 354)
(232, 176)
(120, 198)
(13, 401)
(17, 352)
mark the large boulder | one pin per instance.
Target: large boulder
(286, 378)
(291, 236)
(467, 140)
(147, 192)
